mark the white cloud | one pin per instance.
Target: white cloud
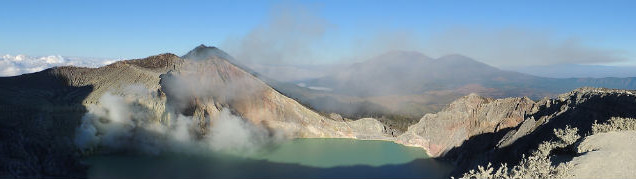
(20, 64)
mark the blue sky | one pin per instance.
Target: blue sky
(135, 29)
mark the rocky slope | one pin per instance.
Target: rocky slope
(468, 116)
(474, 130)
(39, 112)
(226, 85)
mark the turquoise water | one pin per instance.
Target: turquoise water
(342, 152)
(300, 158)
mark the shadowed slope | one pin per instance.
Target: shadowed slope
(40, 111)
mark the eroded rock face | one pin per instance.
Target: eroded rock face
(476, 131)
(579, 109)
(466, 117)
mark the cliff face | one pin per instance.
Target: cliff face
(475, 131)
(466, 117)
(578, 108)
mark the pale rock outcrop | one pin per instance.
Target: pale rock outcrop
(579, 109)
(466, 117)
(606, 155)
(475, 131)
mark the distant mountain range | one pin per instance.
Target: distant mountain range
(414, 73)
(411, 84)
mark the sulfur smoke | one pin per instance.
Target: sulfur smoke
(130, 120)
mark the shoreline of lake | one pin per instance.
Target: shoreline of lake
(298, 158)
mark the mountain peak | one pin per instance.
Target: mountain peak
(203, 52)
(461, 60)
(204, 47)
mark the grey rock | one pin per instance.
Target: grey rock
(579, 108)
(606, 155)
(466, 117)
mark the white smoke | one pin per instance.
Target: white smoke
(125, 123)
(20, 64)
(182, 127)
(116, 123)
(231, 133)
(289, 35)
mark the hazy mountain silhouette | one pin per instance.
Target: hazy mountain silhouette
(411, 84)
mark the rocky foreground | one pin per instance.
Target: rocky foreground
(466, 117)
(606, 155)
(474, 131)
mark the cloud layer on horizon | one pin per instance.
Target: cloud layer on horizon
(520, 47)
(11, 65)
(296, 34)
